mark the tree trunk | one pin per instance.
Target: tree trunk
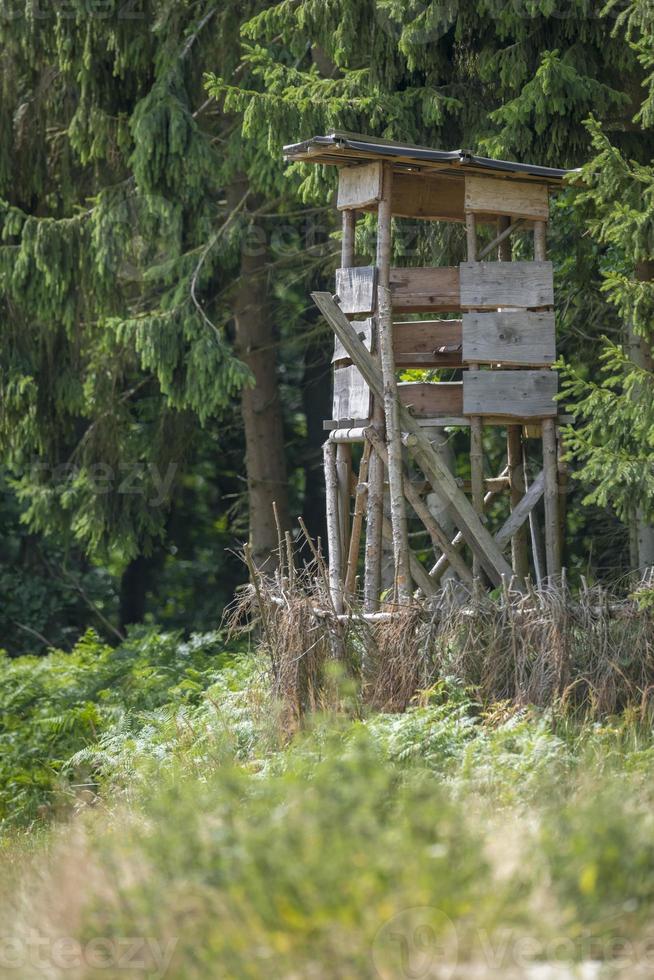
(135, 583)
(265, 460)
(640, 353)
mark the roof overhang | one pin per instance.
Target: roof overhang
(341, 148)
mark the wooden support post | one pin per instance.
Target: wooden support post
(552, 528)
(504, 229)
(373, 561)
(476, 426)
(335, 554)
(360, 498)
(344, 471)
(349, 224)
(519, 542)
(471, 237)
(477, 472)
(540, 241)
(562, 468)
(443, 483)
(394, 439)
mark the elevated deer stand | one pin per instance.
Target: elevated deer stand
(503, 345)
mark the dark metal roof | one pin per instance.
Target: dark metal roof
(342, 147)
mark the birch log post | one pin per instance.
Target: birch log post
(552, 528)
(360, 498)
(394, 440)
(344, 472)
(335, 554)
(344, 451)
(519, 542)
(550, 460)
(374, 538)
(476, 427)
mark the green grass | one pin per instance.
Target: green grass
(362, 846)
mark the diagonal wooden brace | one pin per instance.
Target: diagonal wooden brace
(443, 483)
(439, 538)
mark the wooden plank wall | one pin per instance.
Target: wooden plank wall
(359, 186)
(351, 394)
(429, 198)
(427, 343)
(487, 285)
(419, 290)
(517, 394)
(364, 330)
(356, 289)
(511, 338)
(491, 195)
(432, 400)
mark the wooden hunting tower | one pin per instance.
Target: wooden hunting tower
(502, 348)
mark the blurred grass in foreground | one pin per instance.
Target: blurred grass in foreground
(393, 845)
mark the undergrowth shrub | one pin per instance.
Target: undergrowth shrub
(52, 707)
(293, 874)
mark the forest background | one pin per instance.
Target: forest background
(163, 374)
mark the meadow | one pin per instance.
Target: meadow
(162, 816)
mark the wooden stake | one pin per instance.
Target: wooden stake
(357, 522)
(348, 239)
(562, 467)
(552, 529)
(471, 237)
(344, 471)
(333, 529)
(476, 428)
(394, 439)
(540, 241)
(374, 544)
(519, 542)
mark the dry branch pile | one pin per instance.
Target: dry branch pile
(590, 651)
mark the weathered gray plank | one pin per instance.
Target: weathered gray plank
(359, 186)
(364, 330)
(351, 394)
(514, 394)
(509, 338)
(521, 511)
(356, 289)
(427, 343)
(492, 195)
(487, 285)
(432, 198)
(431, 399)
(423, 289)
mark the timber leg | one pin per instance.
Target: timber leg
(551, 497)
(519, 542)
